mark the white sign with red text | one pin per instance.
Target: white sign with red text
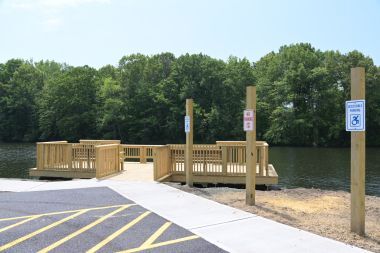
(248, 120)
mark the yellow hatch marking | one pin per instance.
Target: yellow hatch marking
(28, 236)
(19, 223)
(118, 232)
(62, 212)
(155, 245)
(83, 229)
(154, 237)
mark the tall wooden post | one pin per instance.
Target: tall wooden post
(189, 144)
(250, 182)
(358, 159)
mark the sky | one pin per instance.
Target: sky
(100, 32)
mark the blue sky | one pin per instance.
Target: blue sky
(100, 32)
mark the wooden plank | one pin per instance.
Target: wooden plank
(189, 145)
(251, 150)
(358, 159)
(221, 179)
(64, 174)
(164, 178)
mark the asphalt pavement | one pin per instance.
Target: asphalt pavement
(88, 220)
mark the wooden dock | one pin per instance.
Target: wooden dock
(223, 162)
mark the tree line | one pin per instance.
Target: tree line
(301, 93)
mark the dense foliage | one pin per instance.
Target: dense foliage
(301, 94)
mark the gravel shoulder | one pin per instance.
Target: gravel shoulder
(326, 213)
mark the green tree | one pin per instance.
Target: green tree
(69, 104)
(20, 87)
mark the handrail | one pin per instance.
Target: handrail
(99, 142)
(52, 142)
(239, 143)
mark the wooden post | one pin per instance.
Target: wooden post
(189, 144)
(142, 154)
(261, 160)
(251, 154)
(121, 157)
(155, 163)
(358, 159)
(98, 163)
(70, 156)
(224, 159)
(266, 159)
(39, 154)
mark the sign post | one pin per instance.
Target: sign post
(189, 142)
(355, 122)
(250, 128)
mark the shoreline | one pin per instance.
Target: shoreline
(277, 187)
(322, 212)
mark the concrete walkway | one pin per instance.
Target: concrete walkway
(231, 229)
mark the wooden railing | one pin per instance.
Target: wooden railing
(54, 155)
(161, 163)
(140, 152)
(224, 158)
(83, 157)
(99, 142)
(236, 155)
(77, 157)
(107, 160)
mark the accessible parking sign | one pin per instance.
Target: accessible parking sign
(355, 115)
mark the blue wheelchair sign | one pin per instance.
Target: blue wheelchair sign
(355, 115)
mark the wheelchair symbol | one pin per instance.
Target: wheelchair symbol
(355, 120)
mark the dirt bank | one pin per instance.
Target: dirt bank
(326, 213)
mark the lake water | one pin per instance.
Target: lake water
(324, 168)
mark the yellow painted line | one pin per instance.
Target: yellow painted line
(20, 223)
(154, 237)
(155, 245)
(26, 237)
(117, 233)
(85, 228)
(62, 212)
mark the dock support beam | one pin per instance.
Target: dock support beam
(189, 144)
(251, 150)
(358, 159)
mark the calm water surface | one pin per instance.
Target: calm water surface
(325, 168)
(16, 159)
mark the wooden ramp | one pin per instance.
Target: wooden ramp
(134, 171)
